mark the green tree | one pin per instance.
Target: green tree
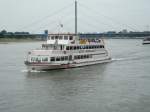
(3, 32)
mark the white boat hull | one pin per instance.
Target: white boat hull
(46, 67)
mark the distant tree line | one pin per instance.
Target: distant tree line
(109, 34)
(4, 32)
(18, 35)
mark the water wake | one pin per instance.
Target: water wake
(32, 71)
(130, 58)
(118, 59)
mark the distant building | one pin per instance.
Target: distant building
(124, 31)
(111, 32)
(22, 33)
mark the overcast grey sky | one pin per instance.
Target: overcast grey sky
(94, 15)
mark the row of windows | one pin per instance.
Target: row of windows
(62, 58)
(39, 59)
(84, 47)
(60, 37)
(50, 46)
(45, 59)
(82, 56)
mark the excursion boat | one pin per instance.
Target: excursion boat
(62, 51)
(67, 51)
(146, 40)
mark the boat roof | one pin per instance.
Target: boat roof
(70, 34)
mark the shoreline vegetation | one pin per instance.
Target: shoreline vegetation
(16, 40)
(12, 37)
(9, 37)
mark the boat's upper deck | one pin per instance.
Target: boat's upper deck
(72, 39)
(69, 43)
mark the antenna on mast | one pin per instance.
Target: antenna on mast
(76, 24)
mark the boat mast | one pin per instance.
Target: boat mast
(76, 30)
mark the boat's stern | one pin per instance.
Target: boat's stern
(46, 60)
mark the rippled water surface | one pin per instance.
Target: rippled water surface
(120, 86)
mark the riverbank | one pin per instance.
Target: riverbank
(12, 40)
(17, 40)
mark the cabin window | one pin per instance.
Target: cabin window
(67, 48)
(45, 59)
(65, 37)
(52, 37)
(52, 58)
(75, 47)
(33, 59)
(82, 56)
(78, 47)
(71, 47)
(79, 57)
(43, 45)
(62, 58)
(60, 37)
(58, 59)
(70, 57)
(75, 57)
(87, 47)
(83, 47)
(66, 57)
(101, 46)
(56, 37)
(88, 56)
(38, 59)
(71, 38)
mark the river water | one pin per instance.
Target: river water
(120, 86)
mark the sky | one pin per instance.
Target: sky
(35, 16)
